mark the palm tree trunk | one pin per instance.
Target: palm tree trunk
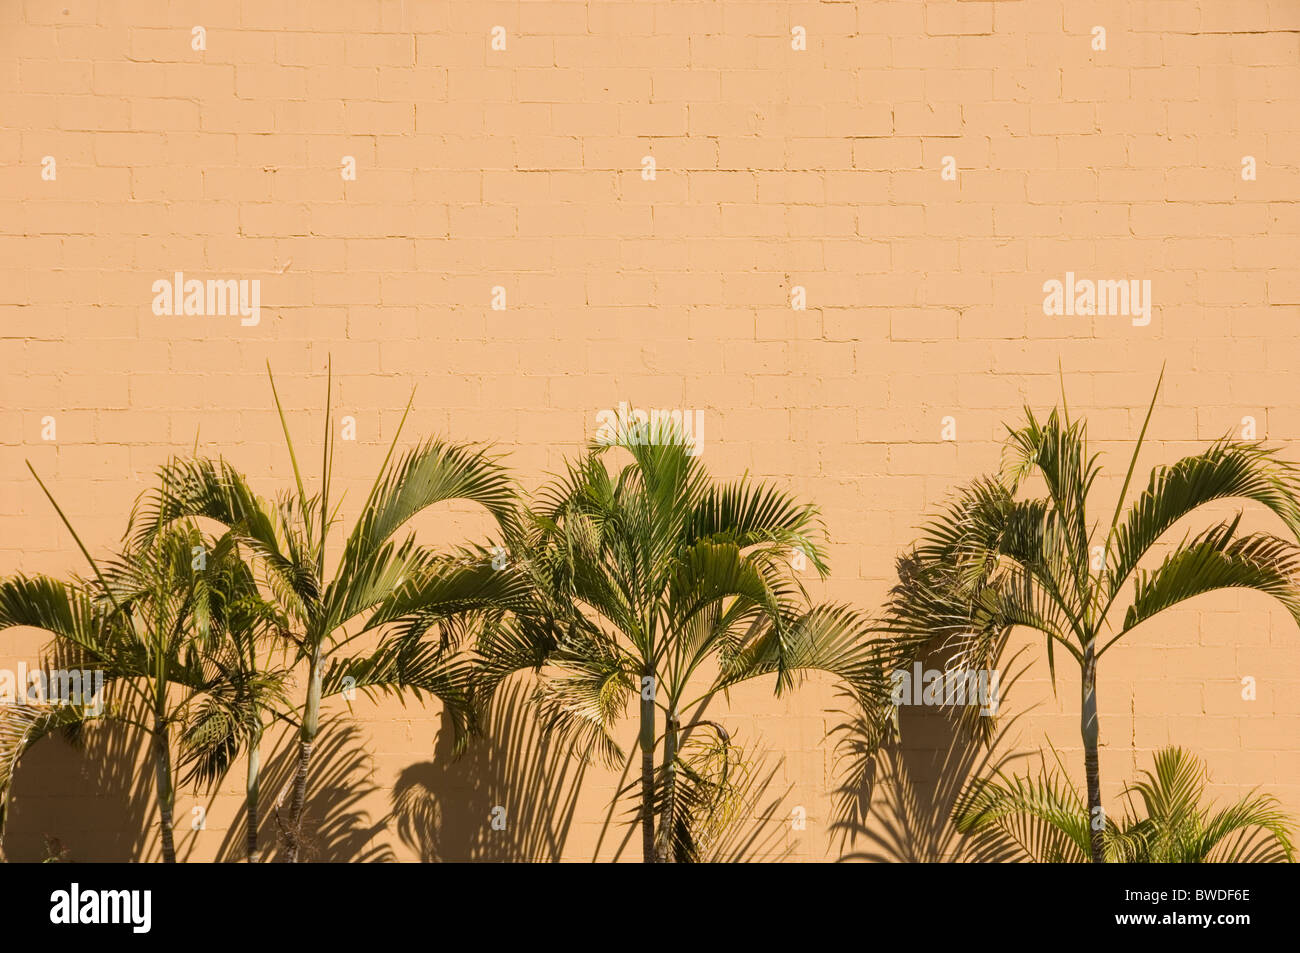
(4, 817)
(166, 794)
(1091, 766)
(251, 797)
(648, 769)
(306, 741)
(667, 851)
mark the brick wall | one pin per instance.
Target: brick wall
(526, 169)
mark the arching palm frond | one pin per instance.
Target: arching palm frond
(1178, 829)
(69, 613)
(433, 472)
(1219, 559)
(748, 514)
(1023, 819)
(65, 610)
(827, 638)
(200, 488)
(1226, 470)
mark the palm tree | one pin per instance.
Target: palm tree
(1013, 818)
(397, 592)
(994, 560)
(253, 679)
(649, 580)
(149, 619)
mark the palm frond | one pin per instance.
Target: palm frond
(1226, 470)
(1218, 559)
(431, 473)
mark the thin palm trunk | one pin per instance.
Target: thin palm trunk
(306, 741)
(1092, 769)
(4, 818)
(667, 851)
(166, 794)
(648, 770)
(251, 797)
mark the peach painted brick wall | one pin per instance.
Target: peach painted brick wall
(775, 168)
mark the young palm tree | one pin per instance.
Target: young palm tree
(395, 591)
(654, 584)
(1044, 820)
(251, 667)
(994, 560)
(149, 621)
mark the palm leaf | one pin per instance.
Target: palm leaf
(1226, 470)
(1218, 560)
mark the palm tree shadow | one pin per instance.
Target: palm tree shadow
(105, 812)
(753, 825)
(336, 828)
(909, 786)
(759, 833)
(510, 797)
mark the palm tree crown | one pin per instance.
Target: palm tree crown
(653, 583)
(394, 591)
(997, 558)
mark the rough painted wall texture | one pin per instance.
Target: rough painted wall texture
(775, 168)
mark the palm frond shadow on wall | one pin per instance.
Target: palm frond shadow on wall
(84, 796)
(895, 801)
(511, 796)
(336, 826)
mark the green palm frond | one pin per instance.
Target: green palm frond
(746, 514)
(708, 574)
(1227, 470)
(587, 690)
(400, 667)
(433, 472)
(1178, 829)
(1218, 559)
(21, 726)
(1015, 818)
(828, 638)
(362, 587)
(193, 488)
(435, 588)
(64, 610)
(1044, 819)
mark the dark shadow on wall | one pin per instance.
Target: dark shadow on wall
(896, 805)
(510, 797)
(85, 796)
(91, 800)
(335, 828)
(755, 826)
(750, 825)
